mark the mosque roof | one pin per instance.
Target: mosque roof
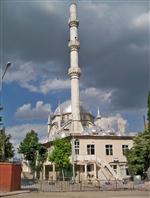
(97, 130)
(65, 108)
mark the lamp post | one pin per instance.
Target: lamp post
(6, 67)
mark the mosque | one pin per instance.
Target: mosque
(97, 152)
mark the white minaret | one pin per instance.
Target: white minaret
(74, 70)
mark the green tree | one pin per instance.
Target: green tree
(41, 157)
(34, 152)
(29, 147)
(6, 147)
(148, 112)
(61, 153)
(138, 156)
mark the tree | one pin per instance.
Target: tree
(6, 147)
(33, 151)
(138, 156)
(28, 147)
(41, 157)
(61, 153)
(148, 112)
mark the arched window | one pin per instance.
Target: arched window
(76, 147)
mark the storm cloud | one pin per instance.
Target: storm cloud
(114, 54)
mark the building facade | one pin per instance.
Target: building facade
(97, 152)
(95, 157)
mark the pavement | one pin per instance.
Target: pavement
(90, 194)
(6, 194)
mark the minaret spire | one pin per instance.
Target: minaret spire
(59, 108)
(98, 113)
(74, 70)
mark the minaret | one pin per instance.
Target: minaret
(74, 70)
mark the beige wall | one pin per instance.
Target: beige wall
(100, 150)
(117, 160)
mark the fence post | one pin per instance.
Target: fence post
(61, 184)
(41, 185)
(116, 183)
(99, 184)
(80, 185)
(133, 186)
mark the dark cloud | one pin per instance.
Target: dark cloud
(115, 56)
(114, 52)
(32, 33)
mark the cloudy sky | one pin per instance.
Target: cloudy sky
(114, 58)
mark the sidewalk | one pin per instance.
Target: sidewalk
(4, 194)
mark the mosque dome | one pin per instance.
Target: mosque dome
(65, 108)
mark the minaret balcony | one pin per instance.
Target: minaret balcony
(74, 44)
(74, 71)
(73, 23)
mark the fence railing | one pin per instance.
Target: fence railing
(70, 186)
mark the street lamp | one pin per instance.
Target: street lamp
(6, 67)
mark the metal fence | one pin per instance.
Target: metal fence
(70, 186)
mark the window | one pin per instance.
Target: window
(109, 149)
(91, 149)
(124, 170)
(76, 147)
(124, 149)
(114, 166)
(62, 123)
(127, 171)
(89, 168)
